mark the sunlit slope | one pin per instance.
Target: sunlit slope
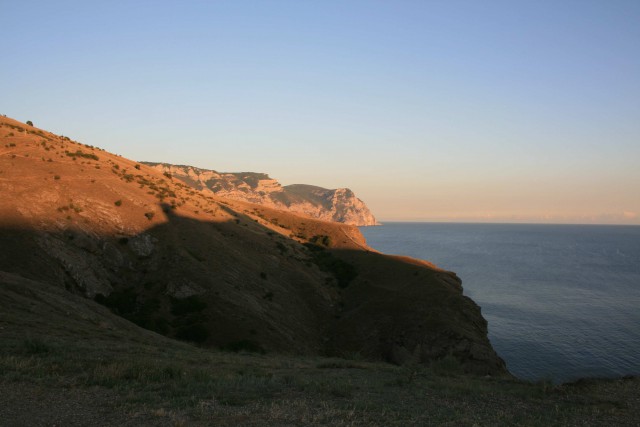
(216, 271)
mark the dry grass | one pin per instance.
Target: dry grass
(183, 384)
(81, 365)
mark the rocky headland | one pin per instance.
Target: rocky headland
(338, 205)
(220, 272)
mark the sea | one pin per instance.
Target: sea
(562, 301)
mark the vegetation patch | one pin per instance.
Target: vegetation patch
(343, 272)
(196, 332)
(35, 346)
(121, 302)
(183, 306)
(141, 310)
(169, 383)
(281, 247)
(189, 322)
(244, 346)
(321, 240)
(447, 366)
(339, 364)
(70, 206)
(195, 255)
(80, 153)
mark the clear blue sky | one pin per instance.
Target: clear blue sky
(429, 110)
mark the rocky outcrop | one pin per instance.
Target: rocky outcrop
(338, 205)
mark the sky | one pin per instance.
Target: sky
(470, 111)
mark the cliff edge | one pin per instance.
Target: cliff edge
(337, 205)
(216, 271)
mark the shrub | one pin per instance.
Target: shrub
(447, 366)
(29, 122)
(197, 333)
(149, 215)
(321, 240)
(80, 153)
(183, 306)
(244, 345)
(56, 177)
(120, 302)
(160, 325)
(118, 203)
(327, 262)
(35, 346)
(141, 310)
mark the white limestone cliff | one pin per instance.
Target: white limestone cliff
(337, 205)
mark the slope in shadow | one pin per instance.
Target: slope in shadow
(240, 286)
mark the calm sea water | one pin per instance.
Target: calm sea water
(562, 301)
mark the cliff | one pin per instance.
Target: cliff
(338, 205)
(216, 271)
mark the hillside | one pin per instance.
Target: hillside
(220, 272)
(338, 205)
(66, 360)
(94, 246)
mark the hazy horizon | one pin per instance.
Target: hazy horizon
(431, 111)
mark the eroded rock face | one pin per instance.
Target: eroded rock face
(338, 205)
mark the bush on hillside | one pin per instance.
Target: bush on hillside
(327, 262)
(191, 304)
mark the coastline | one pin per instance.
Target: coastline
(529, 283)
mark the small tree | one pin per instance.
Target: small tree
(29, 122)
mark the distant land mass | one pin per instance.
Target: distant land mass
(337, 205)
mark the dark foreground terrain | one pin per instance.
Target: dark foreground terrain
(68, 361)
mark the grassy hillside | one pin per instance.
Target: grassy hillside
(69, 361)
(218, 272)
